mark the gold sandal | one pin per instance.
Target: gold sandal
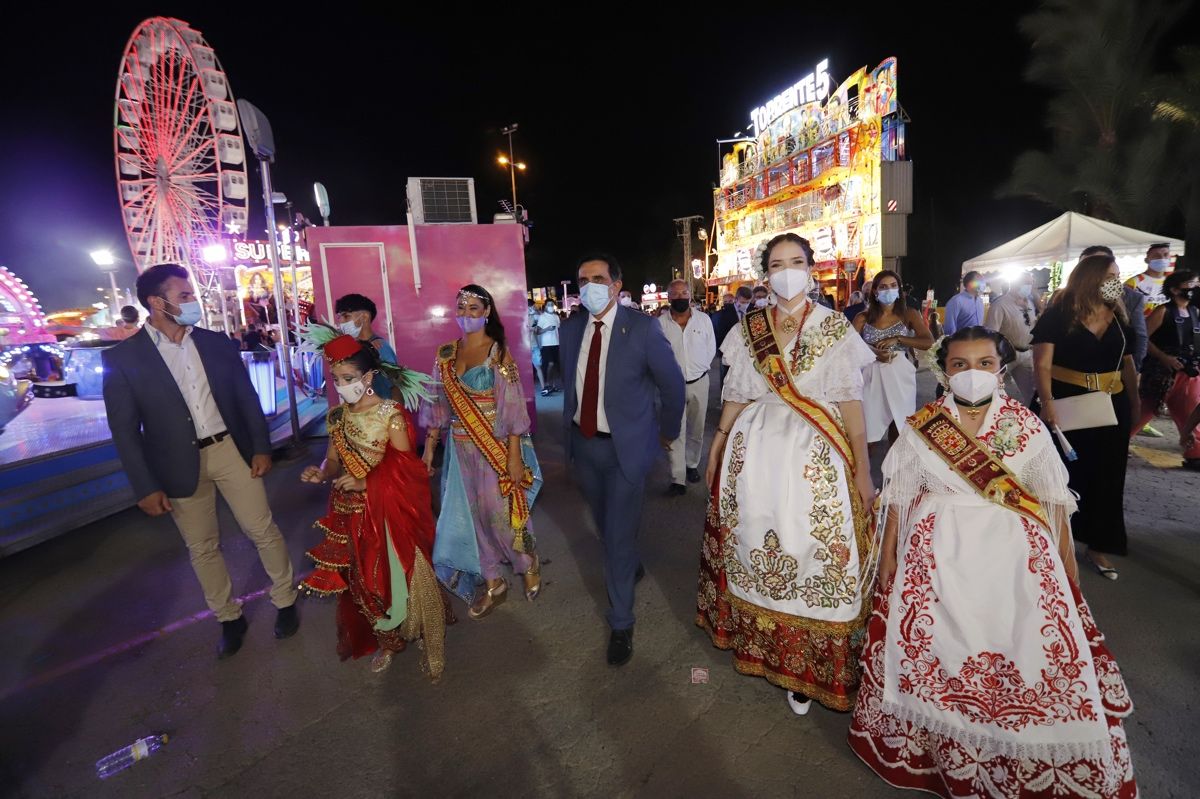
(488, 602)
(534, 571)
(382, 660)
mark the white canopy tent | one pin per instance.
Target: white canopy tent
(1061, 240)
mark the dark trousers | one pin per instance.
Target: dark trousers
(616, 507)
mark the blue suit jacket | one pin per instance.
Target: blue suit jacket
(150, 421)
(639, 368)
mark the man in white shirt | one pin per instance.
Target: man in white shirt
(546, 328)
(694, 343)
(186, 423)
(1150, 282)
(1013, 316)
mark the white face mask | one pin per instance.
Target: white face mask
(760, 303)
(352, 393)
(627, 302)
(974, 385)
(350, 328)
(787, 283)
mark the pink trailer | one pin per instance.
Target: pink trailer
(416, 297)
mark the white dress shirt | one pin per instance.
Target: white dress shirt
(581, 368)
(183, 360)
(694, 346)
(548, 323)
(1005, 317)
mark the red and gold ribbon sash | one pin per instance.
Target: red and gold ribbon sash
(483, 436)
(768, 360)
(975, 463)
(351, 458)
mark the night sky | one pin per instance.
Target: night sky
(618, 115)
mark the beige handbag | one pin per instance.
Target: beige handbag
(1093, 409)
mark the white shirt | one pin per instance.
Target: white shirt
(1005, 317)
(581, 368)
(183, 360)
(548, 323)
(694, 346)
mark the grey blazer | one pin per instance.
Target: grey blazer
(1135, 306)
(151, 425)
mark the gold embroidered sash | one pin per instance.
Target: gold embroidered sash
(483, 436)
(975, 463)
(768, 360)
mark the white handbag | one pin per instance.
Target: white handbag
(1093, 409)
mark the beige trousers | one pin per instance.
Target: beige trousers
(222, 468)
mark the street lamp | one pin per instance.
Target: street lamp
(279, 198)
(511, 162)
(105, 260)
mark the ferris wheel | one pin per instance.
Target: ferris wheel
(180, 161)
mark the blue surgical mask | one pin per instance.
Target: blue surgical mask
(1160, 264)
(350, 328)
(888, 296)
(1025, 290)
(595, 297)
(189, 312)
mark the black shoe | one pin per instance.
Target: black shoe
(693, 475)
(639, 574)
(232, 633)
(676, 490)
(1192, 463)
(620, 647)
(287, 621)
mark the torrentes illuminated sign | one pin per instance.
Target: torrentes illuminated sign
(812, 88)
(255, 252)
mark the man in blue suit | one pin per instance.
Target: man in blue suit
(186, 423)
(615, 364)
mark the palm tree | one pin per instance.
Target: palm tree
(1108, 158)
(1177, 103)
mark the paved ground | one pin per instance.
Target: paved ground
(103, 644)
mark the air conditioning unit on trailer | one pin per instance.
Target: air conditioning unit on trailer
(442, 201)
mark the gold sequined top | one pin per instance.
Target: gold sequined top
(362, 438)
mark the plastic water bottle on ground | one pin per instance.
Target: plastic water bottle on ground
(124, 758)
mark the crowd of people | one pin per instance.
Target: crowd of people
(942, 611)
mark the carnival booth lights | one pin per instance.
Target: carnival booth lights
(827, 163)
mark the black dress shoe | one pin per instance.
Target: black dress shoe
(693, 475)
(639, 574)
(232, 633)
(620, 647)
(676, 490)
(287, 621)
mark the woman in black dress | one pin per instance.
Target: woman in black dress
(1083, 343)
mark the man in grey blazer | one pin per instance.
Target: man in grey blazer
(616, 363)
(186, 423)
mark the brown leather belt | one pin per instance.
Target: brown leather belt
(1109, 382)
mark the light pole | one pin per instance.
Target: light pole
(512, 163)
(105, 260)
(279, 198)
(262, 141)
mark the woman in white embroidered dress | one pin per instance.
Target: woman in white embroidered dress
(983, 671)
(784, 566)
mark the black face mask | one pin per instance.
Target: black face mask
(680, 305)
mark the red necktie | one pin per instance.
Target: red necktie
(591, 385)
